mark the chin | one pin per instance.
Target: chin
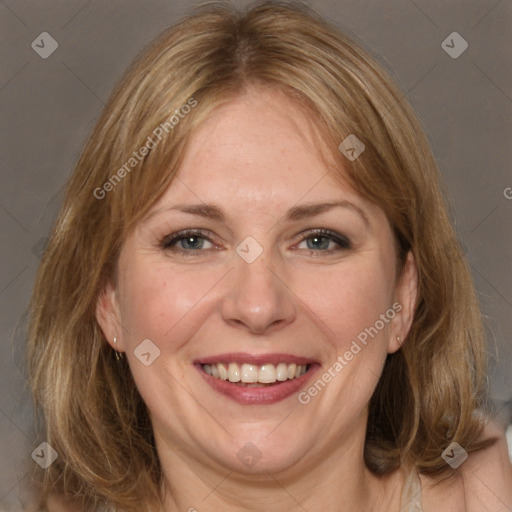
(262, 456)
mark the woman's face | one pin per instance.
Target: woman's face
(280, 271)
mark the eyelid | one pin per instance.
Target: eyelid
(169, 241)
(341, 240)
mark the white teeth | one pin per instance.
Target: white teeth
(233, 373)
(223, 372)
(250, 373)
(282, 372)
(267, 374)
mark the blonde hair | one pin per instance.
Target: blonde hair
(94, 416)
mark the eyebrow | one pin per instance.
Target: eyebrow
(313, 209)
(295, 213)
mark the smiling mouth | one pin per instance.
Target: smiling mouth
(251, 375)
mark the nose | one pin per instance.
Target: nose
(258, 298)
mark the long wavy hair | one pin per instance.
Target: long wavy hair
(93, 416)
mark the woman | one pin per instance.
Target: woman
(247, 301)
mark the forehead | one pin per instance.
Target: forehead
(261, 146)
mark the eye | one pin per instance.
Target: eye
(187, 241)
(324, 240)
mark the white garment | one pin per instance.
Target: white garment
(411, 493)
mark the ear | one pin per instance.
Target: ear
(107, 315)
(405, 296)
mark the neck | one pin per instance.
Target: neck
(335, 479)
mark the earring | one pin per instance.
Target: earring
(399, 340)
(119, 355)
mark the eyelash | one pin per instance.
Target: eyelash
(169, 242)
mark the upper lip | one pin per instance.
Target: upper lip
(257, 360)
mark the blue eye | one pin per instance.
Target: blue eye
(323, 240)
(190, 242)
(186, 242)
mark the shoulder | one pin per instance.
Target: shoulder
(482, 484)
(487, 475)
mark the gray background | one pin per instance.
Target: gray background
(49, 107)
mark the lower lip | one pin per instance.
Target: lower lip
(264, 395)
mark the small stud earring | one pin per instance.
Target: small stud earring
(399, 340)
(119, 355)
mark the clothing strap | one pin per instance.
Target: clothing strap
(411, 493)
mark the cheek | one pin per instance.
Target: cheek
(349, 304)
(350, 300)
(167, 307)
(160, 303)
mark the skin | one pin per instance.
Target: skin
(255, 158)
